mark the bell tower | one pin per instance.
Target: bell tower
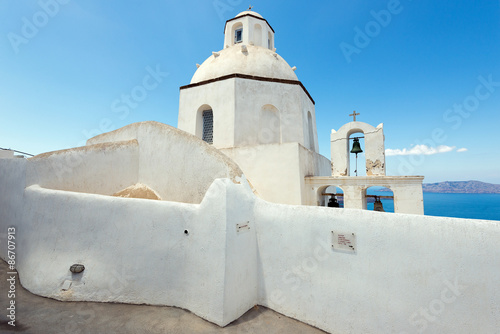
(249, 28)
(407, 190)
(374, 147)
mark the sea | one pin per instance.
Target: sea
(474, 206)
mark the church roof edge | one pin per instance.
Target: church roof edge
(251, 77)
(254, 16)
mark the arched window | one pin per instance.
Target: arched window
(257, 35)
(237, 33)
(379, 198)
(269, 125)
(310, 130)
(208, 126)
(329, 195)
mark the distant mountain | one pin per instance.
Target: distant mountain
(464, 187)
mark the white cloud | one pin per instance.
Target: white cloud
(463, 149)
(420, 150)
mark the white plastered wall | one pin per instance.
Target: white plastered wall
(12, 184)
(221, 98)
(162, 157)
(137, 251)
(277, 171)
(406, 268)
(104, 168)
(290, 100)
(6, 154)
(178, 166)
(237, 105)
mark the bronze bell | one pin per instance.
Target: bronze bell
(333, 203)
(356, 147)
(377, 206)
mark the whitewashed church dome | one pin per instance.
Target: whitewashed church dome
(249, 12)
(248, 50)
(257, 61)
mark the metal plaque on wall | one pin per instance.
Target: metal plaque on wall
(344, 241)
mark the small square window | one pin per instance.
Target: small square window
(238, 35)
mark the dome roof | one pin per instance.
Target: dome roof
(246, 12)
(258, 61)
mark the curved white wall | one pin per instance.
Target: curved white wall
(177, 165)
(137, 251)
(104, 168)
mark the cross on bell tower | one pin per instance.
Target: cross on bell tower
(354, 114)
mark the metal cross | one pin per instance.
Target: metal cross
(250, 7)
(354, 114)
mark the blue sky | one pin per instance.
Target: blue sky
(429, 70)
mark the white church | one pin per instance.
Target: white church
(228, 211)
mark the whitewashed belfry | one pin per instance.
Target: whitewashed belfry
(374, 148)
(407, 190)
(247, 101)
(249, 28)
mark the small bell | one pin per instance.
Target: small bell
(356, 147)
(377, 206)
(333, 203)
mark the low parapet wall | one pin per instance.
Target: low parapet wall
(407, 273)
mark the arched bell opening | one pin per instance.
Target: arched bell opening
(257, 34)
(331, 196)
(379, 198)
(321, 197)
(356, 152)
(270, 125)
(371, 162)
